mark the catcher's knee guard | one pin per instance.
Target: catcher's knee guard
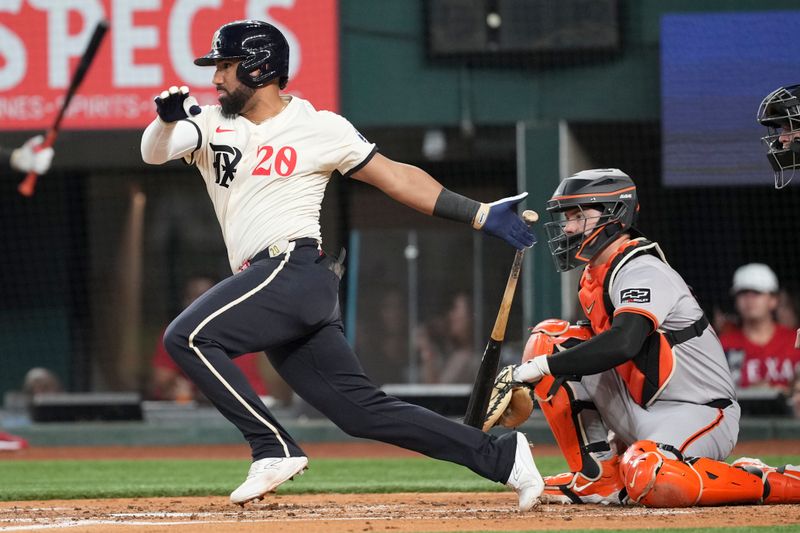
(511, 404)
(657, 475)
(558, 403)
(554, 334)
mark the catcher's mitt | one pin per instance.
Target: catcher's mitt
(511, 402)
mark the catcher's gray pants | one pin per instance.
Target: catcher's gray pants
(696, 430)
(288, 306)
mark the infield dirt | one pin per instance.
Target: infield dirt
(344, 513)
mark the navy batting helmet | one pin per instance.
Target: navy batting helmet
(780, 113)
(261, 47)
(610, 191)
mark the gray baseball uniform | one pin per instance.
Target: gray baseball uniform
(678, 416)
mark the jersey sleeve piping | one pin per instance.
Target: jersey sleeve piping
(647, 314)
(190, 159)
(363, 163)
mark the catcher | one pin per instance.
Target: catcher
(639, 397)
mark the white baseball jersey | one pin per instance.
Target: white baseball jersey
(650, 287)
(267, 180)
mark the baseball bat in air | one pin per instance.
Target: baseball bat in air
(484, 380)
(27, 186)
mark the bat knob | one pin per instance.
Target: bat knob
(530, 216)
(26, 187)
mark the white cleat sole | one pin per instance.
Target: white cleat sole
(258, 486)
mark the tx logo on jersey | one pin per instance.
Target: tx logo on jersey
(225, 160)
(634, 296)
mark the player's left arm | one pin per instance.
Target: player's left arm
(417, 189)
(407, 184)
(171, 135)
(640, 309)
(607, 350)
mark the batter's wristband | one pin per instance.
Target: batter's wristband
(453, 206)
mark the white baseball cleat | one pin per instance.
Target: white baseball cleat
(525, 478)
(266, 475)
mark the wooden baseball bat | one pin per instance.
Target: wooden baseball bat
(27, 186)
(484, 380)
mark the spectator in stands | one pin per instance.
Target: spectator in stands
(760, 351)
(169, 382)
(39, 380)
(445, 344)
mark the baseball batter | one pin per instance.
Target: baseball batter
(779, 112)
(646, 375)
(265, 159)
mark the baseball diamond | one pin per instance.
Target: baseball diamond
(290, 510)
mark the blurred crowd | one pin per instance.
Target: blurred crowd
(758, 332)
(759, 336)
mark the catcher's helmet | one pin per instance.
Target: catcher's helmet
(261, 47)
(608, 190)
(780, 113)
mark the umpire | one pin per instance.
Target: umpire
(266, 159)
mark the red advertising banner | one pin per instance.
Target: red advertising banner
(150, 46)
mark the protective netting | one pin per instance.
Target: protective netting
(97, 263)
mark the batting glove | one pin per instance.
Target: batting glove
(532, 370)
(500, 219)
(175, 104)
(32, 157)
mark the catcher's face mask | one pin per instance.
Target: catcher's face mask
(588, 211)
(779, 112)
(578, 233)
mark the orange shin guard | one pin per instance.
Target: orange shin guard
(781, 484)
(657, 476)
(556, 399)
(724, 484)
(557, 410)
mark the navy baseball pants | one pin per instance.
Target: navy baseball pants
(288, 306)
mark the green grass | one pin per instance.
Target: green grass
(68, 479)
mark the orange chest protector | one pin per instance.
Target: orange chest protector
(648, 373)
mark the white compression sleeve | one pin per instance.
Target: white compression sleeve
(163, 141)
